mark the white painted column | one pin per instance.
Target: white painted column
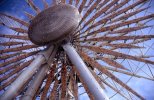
(85, 74)
(14, 88)
(34, 85)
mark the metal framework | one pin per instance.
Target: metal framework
(58, 51)
(85, 74)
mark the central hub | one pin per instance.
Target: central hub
(54, 24)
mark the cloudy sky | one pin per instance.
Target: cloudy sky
(144, 87)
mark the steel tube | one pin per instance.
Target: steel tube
(84, 72)
(15, 87)
(32, 89)
(34, 85)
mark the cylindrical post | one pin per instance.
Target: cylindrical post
(15, 87)
(85, 74)
(34, 85)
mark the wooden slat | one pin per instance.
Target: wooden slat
(90, 10)
(37, 10)
(63, 82)
(104, 20)
(103, 10)
(50, 78)
(16, 70)
(82, 5)
(11, 43)
(106, 72)
(74, 84)
(115, 38)
(6, 56)
(128, 8)
(54, 90)
(90, 2)
(117, 54)
(112, 63)
(120, 45)
(126, 16)
(30, 16)
(123, 45)
(8, 68)
(20, 30)
(45, 4)
(102, 4)
(8, 82)
(18, 48)
(112, 27)
(18, 58)
(14, 36)
(119, 5)
(129, 29)
(16, 19)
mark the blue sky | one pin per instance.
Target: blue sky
(16, 8)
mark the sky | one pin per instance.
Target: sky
(16, 8)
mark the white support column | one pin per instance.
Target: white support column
(85, 74)
(32, 89)
(15, 87)
(34, 85)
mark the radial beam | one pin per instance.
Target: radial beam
(84, 72)
(17, 85)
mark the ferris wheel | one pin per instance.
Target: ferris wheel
(71, 48)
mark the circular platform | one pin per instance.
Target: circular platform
(54, 24)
